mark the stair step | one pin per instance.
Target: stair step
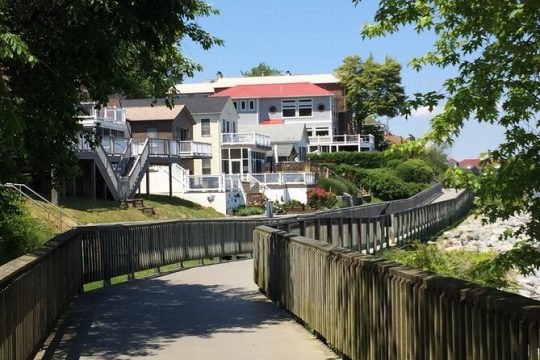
(136, 203)
(148, 210)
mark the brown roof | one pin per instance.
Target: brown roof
(395, 139)
(470, 162)
(146, 113)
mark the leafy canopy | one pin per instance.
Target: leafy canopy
(371, 88)
(262, 69)
(495, 46)
(51, 50)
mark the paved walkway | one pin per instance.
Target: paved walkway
(448, 194)
(211, 312)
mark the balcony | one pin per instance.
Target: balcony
(245, 140)
(110, 115)
(342, 142)
(187, 149)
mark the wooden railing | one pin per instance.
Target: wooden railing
(36, 289)
(368, 308)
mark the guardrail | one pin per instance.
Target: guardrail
(177, 148)
(35, 289)
(368, 308)
(213, 183)
(248, 139)
(285, 178)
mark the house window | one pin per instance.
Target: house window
(233, 127)
(205, 127)
(322, 132)
(288, 108)
(235, 103)
(305, 107)
(182, 133)
(223, 126)
(206, 166)
(251, 104)
(228, 127)
(243, 105)
(152, 133)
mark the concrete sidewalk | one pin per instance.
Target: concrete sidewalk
(211, 312)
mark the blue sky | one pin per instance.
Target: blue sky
(314, 36)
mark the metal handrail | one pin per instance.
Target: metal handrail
(19, 187)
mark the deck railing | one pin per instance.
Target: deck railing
(342, 140)
(285, 178)
(247, 139)
(177, 148)
(108, 114)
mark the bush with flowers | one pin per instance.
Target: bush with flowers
(319, 198)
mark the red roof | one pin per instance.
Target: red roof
(470, 162)
(274, 91)
(272, 121)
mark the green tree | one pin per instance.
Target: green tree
(371, 88)
(50, 50)
(261, 69)
(494, 46)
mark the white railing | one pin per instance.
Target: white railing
(365, 140)
(107, 114)
(252, 139)
(129, 181)
(213, 183)
(177, 148)
(210, 183)
(290, 178)
(194, 148)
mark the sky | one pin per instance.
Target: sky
(311, 37)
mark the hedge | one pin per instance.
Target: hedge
(367, 160)
(415, 170)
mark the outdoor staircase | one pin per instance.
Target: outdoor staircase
(138, 204)
(122, 178)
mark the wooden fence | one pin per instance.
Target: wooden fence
(36, 289)
(368, 308)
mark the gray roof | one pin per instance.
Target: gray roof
(195, 105)
(279, 133)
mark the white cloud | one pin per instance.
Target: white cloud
(424, 111)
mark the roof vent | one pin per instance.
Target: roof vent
(288, 73)
(219, 75)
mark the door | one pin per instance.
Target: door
(236, 167)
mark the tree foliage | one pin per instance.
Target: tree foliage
(371, 88)
(494, 45)
(50, 50)
(262, 69)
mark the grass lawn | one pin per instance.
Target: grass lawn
(146, 273)
(87, 211)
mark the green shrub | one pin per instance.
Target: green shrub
(386, 185)
(466, 265)
(321, 199)
(393, 163)
(337, 185)
(415, 170)
(19, 232)
(293, 204)
(366, 160)
(244, 210)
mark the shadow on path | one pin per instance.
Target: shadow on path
(141, 317)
